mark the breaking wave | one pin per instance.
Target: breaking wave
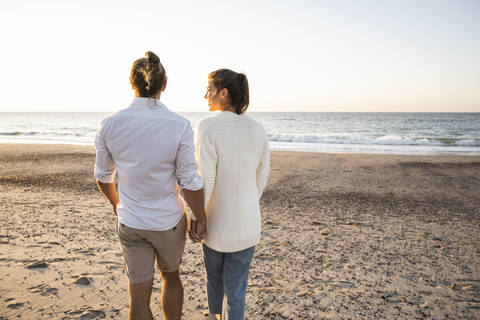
(382, 140)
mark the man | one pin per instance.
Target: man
(152, 149)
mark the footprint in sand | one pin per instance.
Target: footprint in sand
(87, 312)
(15, 305)
(37, 265)
(83, 281)
(43, 289)
(111, 264)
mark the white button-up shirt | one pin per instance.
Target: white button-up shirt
(152, 149)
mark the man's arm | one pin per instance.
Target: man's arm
(191, 183)
(195, 200)
(109, 190)
(105, 168)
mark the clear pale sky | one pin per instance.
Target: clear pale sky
(358, 55)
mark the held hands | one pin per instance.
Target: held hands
(198, 230)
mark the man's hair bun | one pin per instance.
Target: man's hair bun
(148, 75)
(152, 58)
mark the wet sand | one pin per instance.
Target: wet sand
(344, 236)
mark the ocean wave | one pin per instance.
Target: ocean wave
(18, 133)
(383, 140)
(45, 134)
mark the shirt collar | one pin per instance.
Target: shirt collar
(147, 102)
(227, 113)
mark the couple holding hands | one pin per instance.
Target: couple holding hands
(222, 171)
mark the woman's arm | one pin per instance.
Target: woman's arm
(263, 169)
(206, 155)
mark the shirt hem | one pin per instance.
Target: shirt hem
(234, 245)
(129, 224)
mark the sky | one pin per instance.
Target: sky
(325, 56)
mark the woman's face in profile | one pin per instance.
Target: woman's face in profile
(212, 97)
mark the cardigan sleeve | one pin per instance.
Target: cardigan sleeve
(263, 169)
(206, 155)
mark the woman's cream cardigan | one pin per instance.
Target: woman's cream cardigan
(234, 160)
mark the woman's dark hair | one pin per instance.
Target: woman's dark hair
(148, 75)
(237, 86)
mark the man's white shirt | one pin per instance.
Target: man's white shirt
(152, 150)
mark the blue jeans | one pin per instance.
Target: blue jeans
(227, 274)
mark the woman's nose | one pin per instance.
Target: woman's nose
(205, 96)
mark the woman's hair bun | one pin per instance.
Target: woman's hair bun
(152, 57)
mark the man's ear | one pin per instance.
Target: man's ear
(165, 85)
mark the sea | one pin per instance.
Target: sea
(372, 133)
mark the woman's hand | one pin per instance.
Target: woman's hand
(197, 231)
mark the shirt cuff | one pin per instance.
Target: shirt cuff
(194, 183)
(104, 176)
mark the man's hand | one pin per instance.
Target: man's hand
(114, 206)
(197, 231)
(198, 228)
(109, 190)
(193, 226)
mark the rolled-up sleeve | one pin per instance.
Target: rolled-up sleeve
(104, 166)
(187, 170)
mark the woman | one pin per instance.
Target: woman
(233, 156)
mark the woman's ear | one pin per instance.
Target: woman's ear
(224, 93)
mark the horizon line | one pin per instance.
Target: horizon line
(249, 111)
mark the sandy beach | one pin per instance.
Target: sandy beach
(345, 236)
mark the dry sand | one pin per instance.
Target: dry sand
(344, 236)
